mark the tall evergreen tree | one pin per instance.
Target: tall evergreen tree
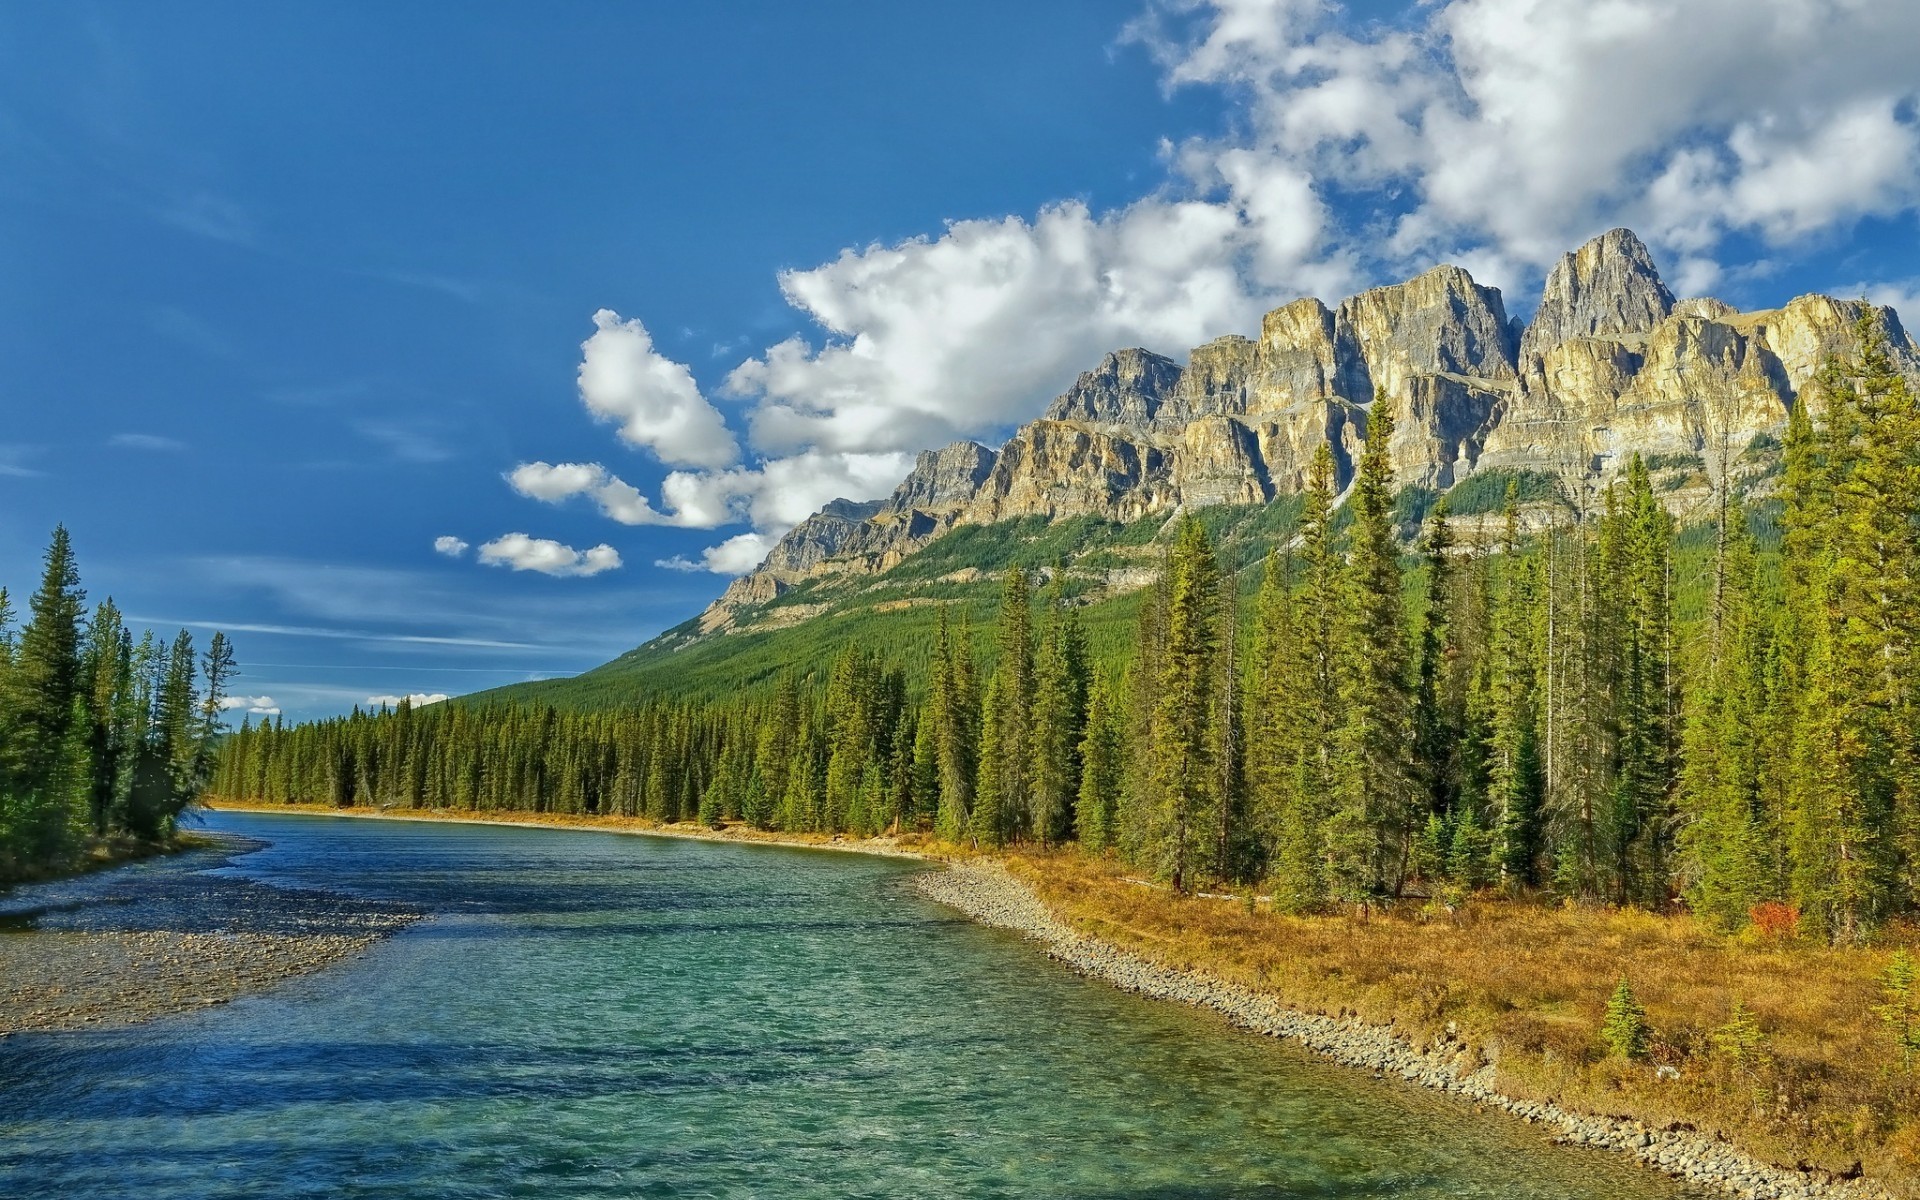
(1186, 786)
(1370, 834)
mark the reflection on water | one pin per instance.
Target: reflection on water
(586, 1015)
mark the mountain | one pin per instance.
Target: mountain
(1610, 365)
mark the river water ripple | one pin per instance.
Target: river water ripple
(584, 1015)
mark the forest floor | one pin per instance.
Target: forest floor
(1519, 988)
(164, 935)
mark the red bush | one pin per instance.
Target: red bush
(1775, 919)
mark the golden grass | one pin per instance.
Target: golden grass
(1528, 985)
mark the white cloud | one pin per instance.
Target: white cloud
(1901, 295)
(449, 545)
(653, 399)
(263, 706)
(735, 556)
(617, 498)
(931, 340)
(1516, 128)
(414, 700)
(145, 441)
(524, 553)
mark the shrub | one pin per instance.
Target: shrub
(1738, 1041)
(1774, 919)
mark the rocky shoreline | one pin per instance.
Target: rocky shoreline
(168, 935)
(988, 893)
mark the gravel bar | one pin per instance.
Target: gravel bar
(986, 892)
(168, 935)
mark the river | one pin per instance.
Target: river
(588, 1015)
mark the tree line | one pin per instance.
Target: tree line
(1379, 721)
(101, 736)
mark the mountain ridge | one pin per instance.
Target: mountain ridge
(1610, 365)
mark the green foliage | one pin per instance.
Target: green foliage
(1486, 491)
(98, 738)
(1675, 462)
(1624, 1029)
(1900, 1007)
(1739, 1041)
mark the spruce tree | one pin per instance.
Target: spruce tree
(1101, 777)
(1059, 716)
(1371, 832)
(1186, 788)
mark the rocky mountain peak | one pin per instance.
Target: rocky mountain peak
(1607, 288)
(1127, 388)
(943, 479)
(1441, 322)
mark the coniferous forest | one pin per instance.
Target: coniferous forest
(1380, 716)
(103, 739)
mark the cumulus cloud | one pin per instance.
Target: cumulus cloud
(617, 498)
(1515, 128)
(524, 553)
(1494, 133)
(653, 399)
(258, 705)
(415, 700)
(449, 545)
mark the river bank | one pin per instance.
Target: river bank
(905, 846)
(161, 935)
(987, 892)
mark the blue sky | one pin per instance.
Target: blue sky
(288, 292)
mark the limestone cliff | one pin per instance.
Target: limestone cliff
(1609, 366)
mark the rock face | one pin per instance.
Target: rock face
(1607, 288)
(1609, 366)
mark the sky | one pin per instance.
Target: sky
(425, 350)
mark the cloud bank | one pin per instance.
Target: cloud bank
(1494, 133)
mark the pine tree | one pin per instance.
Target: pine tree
(1437, 727)
(1625, 1027)
(1371, 831)
(45, 683)
(1007, 741)
(987, 824)
(1308, 670)
(1722, 845)
(1185, 785)
(1514, 762)
(1059, 716)
(955, 718)
(1101, 755)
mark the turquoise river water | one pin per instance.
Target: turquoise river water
(588, 1015)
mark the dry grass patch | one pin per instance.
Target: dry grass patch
(1528, 985)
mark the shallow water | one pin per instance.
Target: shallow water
(585, 1015)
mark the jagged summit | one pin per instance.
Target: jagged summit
(1607, 288)
(1609, 365)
